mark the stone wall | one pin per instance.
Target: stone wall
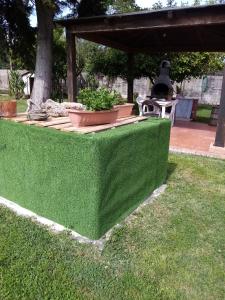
(142, 86)
(4, 82)
(206, 89)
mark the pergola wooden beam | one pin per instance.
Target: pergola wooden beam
(130, 79)
(71, 66)
(104, 41)
(168, 18)
(220, 133)
(171, 30)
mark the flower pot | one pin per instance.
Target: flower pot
(8, 108)
(87, 118)
(125, 110)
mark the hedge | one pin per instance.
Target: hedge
(87, 183)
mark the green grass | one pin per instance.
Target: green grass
(21, 104)
(84, 182)
(172, 249)
(203, 113)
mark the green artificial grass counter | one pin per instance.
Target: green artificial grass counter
(87, 183)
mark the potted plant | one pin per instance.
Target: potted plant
(125, 109)
(98, 108)
(16, 90)
(8, 108)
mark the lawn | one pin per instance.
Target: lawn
(21, 104)
(203, 113)
(172, 249)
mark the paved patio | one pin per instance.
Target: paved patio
(195, 138)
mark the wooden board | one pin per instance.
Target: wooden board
(17, 119)
(55, 121)
(64, 124)
(91, 129)
(61, 126)
(30, 122)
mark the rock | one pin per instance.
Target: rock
(54, 109)
(73, 105)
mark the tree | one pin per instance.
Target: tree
(113, 63)
(17, 38)
(123, 6)
(157, 5)
(171, 3)
(59, 60)
(46, 10)
(88, 8)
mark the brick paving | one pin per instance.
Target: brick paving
(195, 138)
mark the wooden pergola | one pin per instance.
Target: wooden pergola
(189, 29)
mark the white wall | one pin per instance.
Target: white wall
(4, 82)
(207, 90)
(141, 86)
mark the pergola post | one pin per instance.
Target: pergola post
(220, 132)
(71, 66)
(130, 78)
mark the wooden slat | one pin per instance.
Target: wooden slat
(64, 124)
(90, 129)
(61, 126)
(29, 122)
(21, 114)
(17, 119)
(55, 121)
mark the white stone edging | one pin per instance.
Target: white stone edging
(57, 228)
(195, 152)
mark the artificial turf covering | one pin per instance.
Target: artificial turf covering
(86, 182)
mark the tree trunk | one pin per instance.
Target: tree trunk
(43, 68)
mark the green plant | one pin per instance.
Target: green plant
(97, 100)
(119, 100)
(16, 85)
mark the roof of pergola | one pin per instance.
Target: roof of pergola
(199, 28)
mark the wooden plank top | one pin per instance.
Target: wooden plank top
(98, 128)
(53, 121)
(64, 124)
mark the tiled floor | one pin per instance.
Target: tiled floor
(196, 138)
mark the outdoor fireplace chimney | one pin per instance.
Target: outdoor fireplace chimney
(163, 89)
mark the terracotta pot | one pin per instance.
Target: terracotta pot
(80, 118)
(8, 108)
(125, 110)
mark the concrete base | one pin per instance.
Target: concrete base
(217, 150)
(57, 228)
(194, 152)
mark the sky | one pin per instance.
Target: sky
(141, 3)
(147, 3)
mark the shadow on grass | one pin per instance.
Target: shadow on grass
(203, 120)
(170, 169)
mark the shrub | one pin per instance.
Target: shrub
(16, 85)
(97, 100)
